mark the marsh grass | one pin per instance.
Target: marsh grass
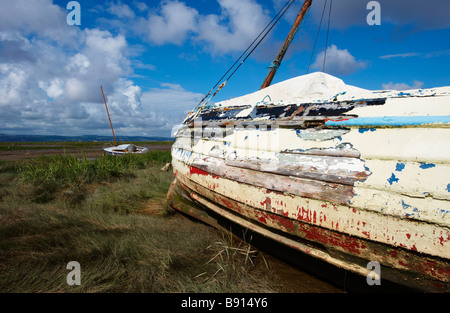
(110, 215)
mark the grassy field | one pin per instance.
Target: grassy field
(110, 215)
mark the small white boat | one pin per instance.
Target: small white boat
(125, 149)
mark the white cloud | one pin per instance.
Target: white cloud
(174, 21)
(238, 25)
(402, 86)
(338, 62)
(121, 10)
(12, 84)
(54, 88)
(234, 29)
(141, 6)
(437, 53)
(37, 17)
(78, 63)
(400, 55)
(432, 54)
(50, 85)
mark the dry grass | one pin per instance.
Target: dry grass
(117, 226)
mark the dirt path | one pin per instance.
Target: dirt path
(91, 152)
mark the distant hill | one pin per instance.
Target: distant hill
(44, 138)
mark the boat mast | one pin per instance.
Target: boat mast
(115, 143)
(287, 42)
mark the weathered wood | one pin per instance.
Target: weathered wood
(342, 150)
(326, 244)
(405, 198)
(304, 122)
(339, 170)
(283, 113)
(420, 236)
(308, 188)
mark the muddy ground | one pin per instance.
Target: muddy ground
(26, 151)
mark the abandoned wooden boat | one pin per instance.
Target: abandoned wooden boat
(125, 149)
(349, 176)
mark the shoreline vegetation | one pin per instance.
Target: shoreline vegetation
(109, 214)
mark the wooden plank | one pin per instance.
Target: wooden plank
(283, 113)
(403, 178)
(322, 242)
(407, 200)
(393, 230)
(340, 170)
(309, 188)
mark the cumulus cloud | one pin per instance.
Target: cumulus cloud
(41, 18)
(402, 86)
(121, 10)
(50, 75)
(172, 23)
(237, 26)
(338, 62)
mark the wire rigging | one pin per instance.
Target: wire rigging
(263, 33)
(326, 42)
(317, 35)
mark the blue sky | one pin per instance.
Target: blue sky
(156, 59)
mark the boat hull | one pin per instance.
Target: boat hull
(125, 149)
(355, 183)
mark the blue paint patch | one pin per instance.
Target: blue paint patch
(363, 130)
(246, 137)
(426, 165)
(448, 187)
(399, 167)
(392, 179)
(443, 212)
(391, 121)
(405, 206)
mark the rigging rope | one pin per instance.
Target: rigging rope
(317, 35)
(326, 42)
(276, 18)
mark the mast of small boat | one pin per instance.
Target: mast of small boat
(115, 143)
(287, 42)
